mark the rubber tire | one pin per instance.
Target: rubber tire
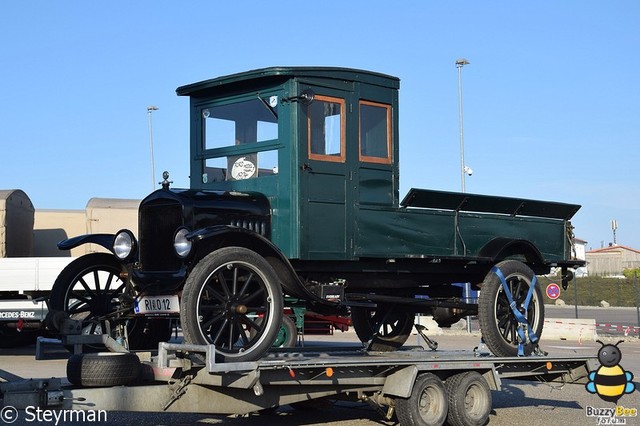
(258, 343)
(363, 319)
(469, 399)
(428, 394)
(103, 369)
(492, 299)
(287, 335)
(158, 330)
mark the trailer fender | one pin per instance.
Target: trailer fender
(401, 382)
(104, 240)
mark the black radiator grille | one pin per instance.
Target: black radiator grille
(158, 225)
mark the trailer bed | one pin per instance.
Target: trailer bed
(171, 382)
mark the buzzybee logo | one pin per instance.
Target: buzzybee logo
(610, 381)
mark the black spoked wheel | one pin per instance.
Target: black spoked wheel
(233, 300)
(498, 323)
(469, 399)
(89, 289)
(427, 405)
(385, 328)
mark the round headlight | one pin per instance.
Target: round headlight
(124, 244)
(181, 244)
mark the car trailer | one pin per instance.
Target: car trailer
(422, 387)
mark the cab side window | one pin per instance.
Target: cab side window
(326, 129)
(375, 132)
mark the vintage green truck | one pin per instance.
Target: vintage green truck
(294, 190)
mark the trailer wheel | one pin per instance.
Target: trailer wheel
(233, 300)
(469, 399)
(385, 327)
(103, 369)
(427, 405)
(89, 289)
(498, 324)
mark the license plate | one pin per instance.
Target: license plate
(157, 305)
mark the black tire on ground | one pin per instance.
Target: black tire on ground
(103, 369)
(386, 327)
(223, 298)
(469, 399)
(427, 405)
(497, 321)
(88, 290)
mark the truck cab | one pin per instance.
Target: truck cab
(317, 142)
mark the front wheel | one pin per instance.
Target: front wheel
(502, 332)
(233, 300)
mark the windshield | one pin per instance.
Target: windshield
(229, 131)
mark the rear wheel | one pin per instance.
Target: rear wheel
(469, 399)
(233, 300)
(498, 323)
(385, 327)
(427, 405)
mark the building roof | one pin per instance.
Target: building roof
(612, 249)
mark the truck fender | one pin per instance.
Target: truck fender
(211, 238)
(104, 240)
(501, 248)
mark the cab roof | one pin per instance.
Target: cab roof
(264, 75)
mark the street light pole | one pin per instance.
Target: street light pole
(463, 168)
(150, 109)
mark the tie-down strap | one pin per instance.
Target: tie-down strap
(522, 320)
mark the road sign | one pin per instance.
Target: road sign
(553, 291)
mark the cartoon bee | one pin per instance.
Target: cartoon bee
(610, 381)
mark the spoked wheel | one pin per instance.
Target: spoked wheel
(427, 405)
(498, 323)
(469, 399)
(89, 289)
(386, 327)
(233, 300)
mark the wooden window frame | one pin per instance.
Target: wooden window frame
(343, 128)
(379, 160)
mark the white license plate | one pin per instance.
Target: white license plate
(158, 305)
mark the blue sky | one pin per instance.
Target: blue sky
(551, 94)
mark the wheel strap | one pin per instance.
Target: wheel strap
(522, 320)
